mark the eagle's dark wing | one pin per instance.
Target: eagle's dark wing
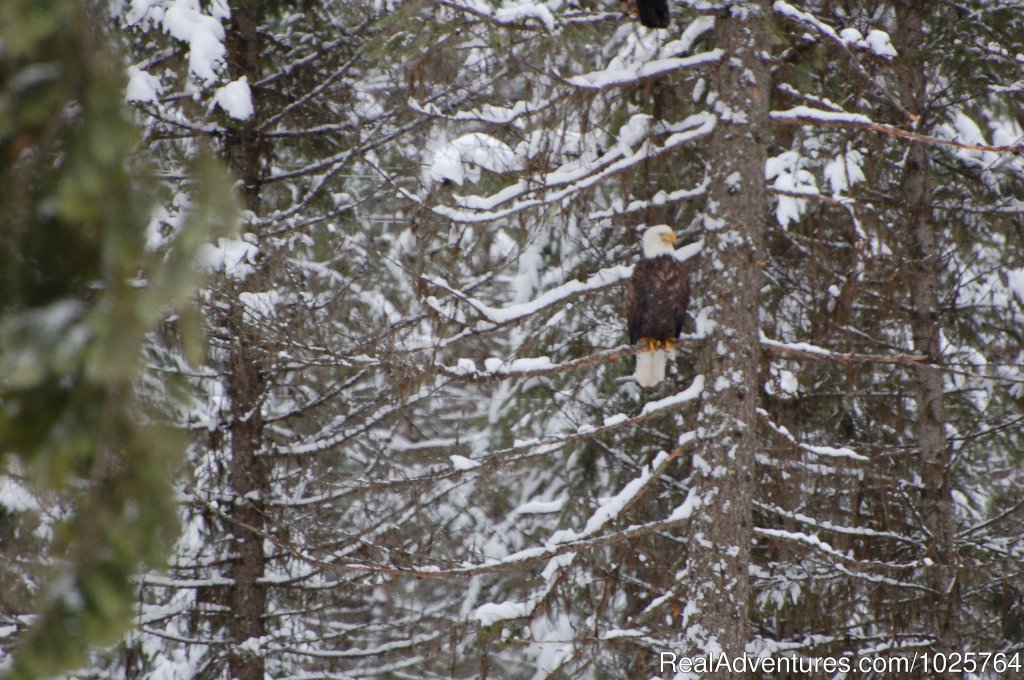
(659, 293)
(635, 304)
(653, 13)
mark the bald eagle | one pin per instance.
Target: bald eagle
(659, 293)
(652, 13)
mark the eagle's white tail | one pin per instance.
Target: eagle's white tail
(650, 367)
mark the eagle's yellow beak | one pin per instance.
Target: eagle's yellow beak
(669, 238)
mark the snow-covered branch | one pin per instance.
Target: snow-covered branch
(806, 115)
(619, 77)
(806, 350)
(565, 182)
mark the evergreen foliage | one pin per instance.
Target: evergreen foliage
(87, 498)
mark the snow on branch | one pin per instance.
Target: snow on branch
(618, 77)
(815, 543)
(532, 367)
(659, 199)
(566, 546)
(834, 528)
(806, 115)
(563, 182)
(876, 42)
(488, 113)
(828, 451)
(496, 369)
(609, 510)
(970, 531)
(353, 653)
(494, 317)
(523, 15)
(808, 351)
(530, 449)
(499, 315)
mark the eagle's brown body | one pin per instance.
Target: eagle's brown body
(659, 294)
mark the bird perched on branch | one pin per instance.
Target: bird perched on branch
(652, 13)
(659, 293)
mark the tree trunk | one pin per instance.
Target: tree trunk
(246, 383)
(249, 479)
(716, 614)
(920, 243)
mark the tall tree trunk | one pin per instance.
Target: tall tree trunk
(924, 269)
(716, 614)
(248, 478)
(246, 382)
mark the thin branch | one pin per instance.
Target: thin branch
(803, 115)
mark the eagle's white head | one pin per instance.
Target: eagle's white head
(658, 240)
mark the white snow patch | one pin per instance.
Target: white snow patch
(235, 99)
(845, 170)
(540, 507)
(16, 497)
(613, 77)
(790, 176)
(689, 394)
(821, 115)
(260, 305)
(1015, 281)
(879, 43)
(184, 21)
(463, 157)
(518, 12)
(492, 612)
(615, 419)
(686, 508)
(142, 86)
(462, 463)
(235, 257)
(690, 35)
(783, 383)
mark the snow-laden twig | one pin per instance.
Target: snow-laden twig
(526, 450)
(679, 515)
(809, 351)
(384, 648)
(488, 113)
(499, 315)
(832, 35)
(834, 528)
(494, 317)
(806, 115)
(561, 183)
(828, 451)
(523, 17)
(822, 547)
(612, 509)
(619, 77)
(659, 199)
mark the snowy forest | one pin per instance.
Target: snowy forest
(313, 347)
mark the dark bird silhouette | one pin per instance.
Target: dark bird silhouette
(652, 13)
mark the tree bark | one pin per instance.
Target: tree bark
(245, 381)
(921, 248)
(716, 614)
(248, 478)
